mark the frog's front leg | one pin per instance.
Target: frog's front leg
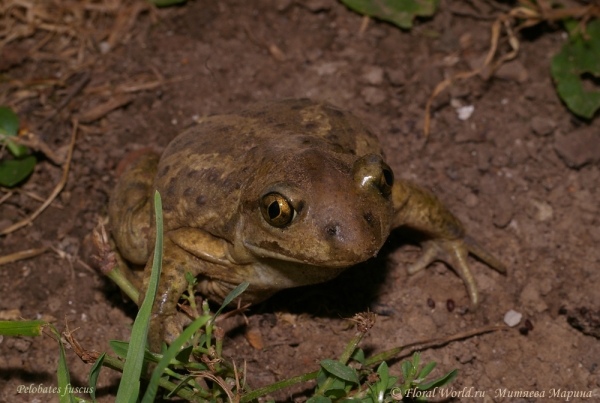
(164, 321)
(447, 241)
(185, 250)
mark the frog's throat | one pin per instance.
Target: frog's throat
(265, 253)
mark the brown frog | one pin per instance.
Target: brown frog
(280, 194)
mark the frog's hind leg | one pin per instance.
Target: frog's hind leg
(447, 241)
(129, 210)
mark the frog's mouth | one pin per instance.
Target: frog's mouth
(272, 250)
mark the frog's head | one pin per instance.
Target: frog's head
(318, 208)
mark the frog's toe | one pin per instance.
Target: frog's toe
(454, 253)
(482, 254)
(431, 253)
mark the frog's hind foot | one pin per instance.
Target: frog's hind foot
(479, 251)
(454, 253)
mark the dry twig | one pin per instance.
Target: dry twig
(24, 254)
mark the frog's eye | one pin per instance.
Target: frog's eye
(386, 181)
(276, 210)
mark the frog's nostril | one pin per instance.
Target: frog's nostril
(332, 229)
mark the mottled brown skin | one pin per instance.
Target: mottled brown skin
(214, 177)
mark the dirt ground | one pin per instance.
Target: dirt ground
(521, 172)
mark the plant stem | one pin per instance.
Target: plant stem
(118, 365)
(124, 284)
(351, 347)
(343, 359)
(278, 385)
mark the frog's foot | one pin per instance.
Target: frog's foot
(454, 252)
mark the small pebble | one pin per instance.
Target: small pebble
(430, 303)
(579, 147)
(562, 310)
(465, 112)
(512, 318)
(104, 47)
(523, 331)
(450, 305)
(542, 126)
(373, 96)
(373, 75)
(396, 77)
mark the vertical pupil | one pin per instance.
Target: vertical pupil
(389, 179)
(274, 210)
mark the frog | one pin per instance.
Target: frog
(279, 194)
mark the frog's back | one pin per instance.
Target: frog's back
(272, 124)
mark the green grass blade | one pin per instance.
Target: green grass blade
(169, 355)
(29, 328)
(64, 380)
(181, 384)
(129, 388)
(236, 292)
(94, 373)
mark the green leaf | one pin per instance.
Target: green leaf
(319, 399)
(407, 370)
(359, 356)
(191, 280)
(184, 355)
(391, 382)
(340, 370)
(172, 351)
(94, 373)
(398, 12)
(236, 292)
(426, 370)
(9, 122)
(577, 57)
(382, 384)
(335, 394)
(321, 377)
(14, 171)
(129, 387)
(120, 348)
(29, 328)
(438, 383)
(416, 361)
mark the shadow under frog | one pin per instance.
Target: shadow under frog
(280, 194)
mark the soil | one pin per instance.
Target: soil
(521, 172)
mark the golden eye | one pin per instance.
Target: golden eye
(387, 181)
(276, 210)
